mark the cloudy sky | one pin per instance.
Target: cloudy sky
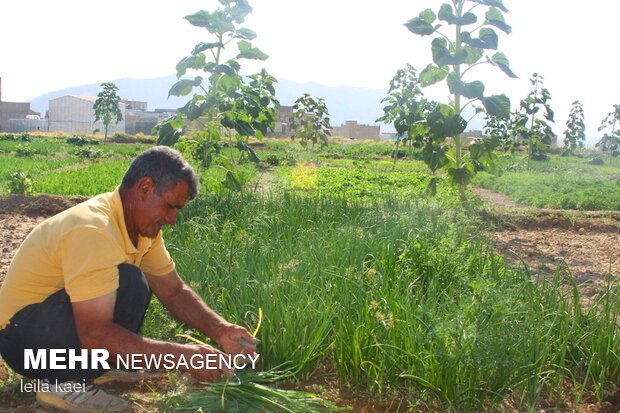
(50, 45)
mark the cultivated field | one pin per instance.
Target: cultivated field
(376, 293)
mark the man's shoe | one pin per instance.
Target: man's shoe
(125, 376)
(79, 397)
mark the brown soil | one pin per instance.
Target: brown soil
(544, 240)
(585, 242)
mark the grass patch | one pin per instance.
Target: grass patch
(90, 180)
(555, 190)
(400, 296)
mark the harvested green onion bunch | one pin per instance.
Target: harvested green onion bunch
(246, 393)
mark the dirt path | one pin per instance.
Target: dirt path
(587, 242)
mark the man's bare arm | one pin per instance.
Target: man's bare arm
(186, 306)
(96, 329)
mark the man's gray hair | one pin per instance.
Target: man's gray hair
(166, 167)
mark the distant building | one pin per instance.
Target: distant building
(14, 110)
(139, 120)
(388, 136)
(352, 130)
(282, 127)
(75, 114)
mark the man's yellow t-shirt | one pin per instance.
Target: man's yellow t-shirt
(78, 250)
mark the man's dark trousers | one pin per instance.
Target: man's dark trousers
(51, 325)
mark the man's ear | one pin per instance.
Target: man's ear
(144, 185)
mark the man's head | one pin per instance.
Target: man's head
(166, 167)
(157, 184)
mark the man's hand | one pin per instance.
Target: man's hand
(207, 374)
(235, 339)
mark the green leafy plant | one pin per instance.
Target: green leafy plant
(498, 128)
(575, 134)
(610, 142)
(225, 102)
(20, 183)
(273, 160)
(453, 57)
(81, 140)
(88, 152)
(407, 108)
(596, 160)
(24, 150)
(530, 125)
(248, 393)
(107, 107)
(310, 121)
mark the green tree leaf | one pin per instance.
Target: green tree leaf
(497, 105)
(502, 62)
(441, 55)
(495, 18)
(231, 182)
(215, 22)
(190, 62)
(246, 34)
(461, 176)
(428, 16)
(184, 86)
(169, 131)
(473, 54)
(202, 46)
(420, 26)
(473, 90)
(244, 147)
(246, 51)
(432, 74)
(446, 14)
(487, 39)
(492, 3)
(443, 122)
(241, 9)
(435, 156)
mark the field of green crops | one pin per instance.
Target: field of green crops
(561, 183)
(361, 273)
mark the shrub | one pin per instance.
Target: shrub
(20, 183)
(7, 137)
(88, 152)
(24, 150)
(24, 137)
(273, 160)
(81, 140)
(121, 137)
(596, 160)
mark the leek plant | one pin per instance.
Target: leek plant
(399, 295)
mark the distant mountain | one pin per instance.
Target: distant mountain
(343, 102)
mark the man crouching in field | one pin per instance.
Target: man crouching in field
(82, 280)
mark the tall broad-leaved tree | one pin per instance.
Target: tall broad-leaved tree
(610, 126)
(530, 125)
(310, 120)
(407, 109)
(223, 103)
(107, 107)
(575, 133)
(465, 35)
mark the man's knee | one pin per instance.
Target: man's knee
(132, 298)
